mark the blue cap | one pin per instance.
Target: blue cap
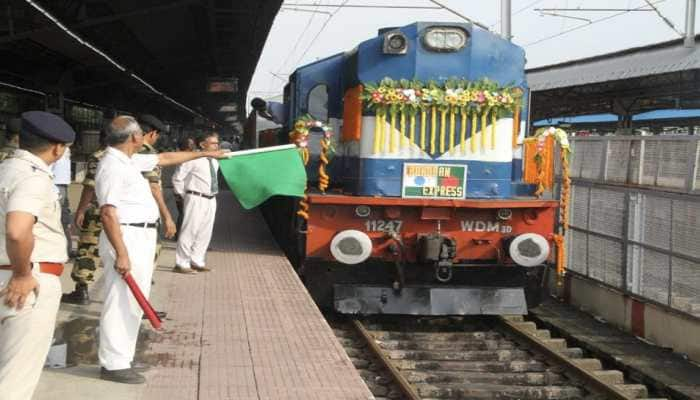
(47, 125)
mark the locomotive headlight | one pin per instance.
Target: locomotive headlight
(444, 38)
(362, 211)
(505, 214)
(395, 42)
(351, 247)
(529, 250)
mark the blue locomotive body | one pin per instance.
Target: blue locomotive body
(484, 55)
(426, 212)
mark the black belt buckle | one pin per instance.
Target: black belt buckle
(206, 196)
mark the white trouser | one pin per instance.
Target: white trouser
(25, 336)
(121, 314)
(197, 227)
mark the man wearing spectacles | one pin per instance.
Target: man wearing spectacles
(196, 181)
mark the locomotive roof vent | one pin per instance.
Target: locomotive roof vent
(395, 42)
(445, 38)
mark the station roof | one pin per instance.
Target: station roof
(158, 56)
(658, 76)
(668, 116)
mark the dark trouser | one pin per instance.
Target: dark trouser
(180, 215)
(65, 214)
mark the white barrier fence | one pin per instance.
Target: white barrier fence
(635, 216)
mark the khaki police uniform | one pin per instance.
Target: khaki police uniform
(88, 258)
(153, 176)
(26, 184)
(119, 183)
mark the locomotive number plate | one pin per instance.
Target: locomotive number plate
(434, 181)
(382, 225)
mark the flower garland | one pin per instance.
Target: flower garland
(478, 101)
(561, 138)
(300, 137)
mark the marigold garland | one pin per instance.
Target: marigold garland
(561, 138)
(300, 137)
(484, 101)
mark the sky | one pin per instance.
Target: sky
(298, 38)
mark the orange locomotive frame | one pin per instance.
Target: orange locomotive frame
(474, 224)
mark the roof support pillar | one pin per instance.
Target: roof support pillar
(689, 24)
(505, 19)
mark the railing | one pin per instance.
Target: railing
(663, 162)
(635, 216)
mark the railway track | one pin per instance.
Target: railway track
(474, 358)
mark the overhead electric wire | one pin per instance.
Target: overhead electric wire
(663, 18)
(296, 44)
(303, 10)
(544, 39)
(405, 7)
(552, 14)
(518, 11)
(321, 30)
(444, 7)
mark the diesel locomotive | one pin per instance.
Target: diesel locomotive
(423, 209)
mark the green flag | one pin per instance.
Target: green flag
(256, 175)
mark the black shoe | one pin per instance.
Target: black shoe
(78, 296)
(160, 314)
(128, 376)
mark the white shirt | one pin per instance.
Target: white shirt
(61, 169)
(26, 184)
(194, 175)
(119, 183)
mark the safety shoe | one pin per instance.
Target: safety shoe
(181, 270)
(127, 375)
(78, 296)
(200, 269)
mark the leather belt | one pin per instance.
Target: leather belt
(152, 225)
(206, 196)
(45, 267)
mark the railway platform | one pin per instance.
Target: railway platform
(246, 330)
(668, 372)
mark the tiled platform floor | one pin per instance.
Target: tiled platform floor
(247, 330)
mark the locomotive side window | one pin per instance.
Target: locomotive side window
(318, 102)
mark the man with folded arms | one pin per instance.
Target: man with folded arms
(128, 240)
(32, 252)
(196, 182)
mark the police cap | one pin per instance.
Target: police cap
(149, 123)
(47, 125)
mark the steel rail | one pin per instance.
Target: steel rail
(557, 358)
(403, 384)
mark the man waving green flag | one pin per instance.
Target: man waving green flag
(256, 175)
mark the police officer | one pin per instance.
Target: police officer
(87, 219)
(128, 240)
(152, 129)
(11, 137)
(32, 253)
